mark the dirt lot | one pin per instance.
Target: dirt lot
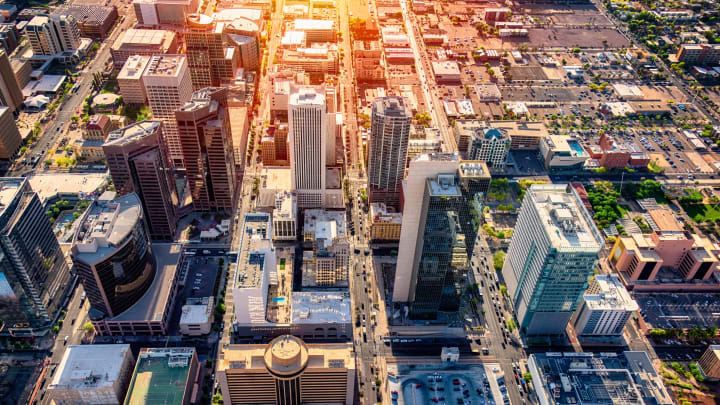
(571, 37)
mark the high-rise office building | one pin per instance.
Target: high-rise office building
(605, 308)
(34, 276)
(211, 56)
(10, 92)
(10, 139)
(168, 87)
(288, 371)
(552, 255)
(445, 196)
(206, 142)
(307, 119)
(389, 134)
(421, 168)
(52, 34)
(112, 255)
(138, 165)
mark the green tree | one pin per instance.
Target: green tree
(527, 377)
(503, 289)
(499, 260)
(88, 328)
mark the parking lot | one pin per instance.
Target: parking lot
(200, 282)
(679, 310)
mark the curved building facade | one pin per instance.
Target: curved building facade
(111, 252)
(288, 371)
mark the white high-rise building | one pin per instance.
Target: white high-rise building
(307, 122)
(605, 308)
(168, 87)
(52, 34)
(421, 168)
(552, 255)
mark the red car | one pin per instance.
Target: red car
(418, 385)
(456, 382)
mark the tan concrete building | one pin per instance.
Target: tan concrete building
(168, 87)
(143, 42)
(385, 224)
(287, 371)
(98, 126)
(130, 79)
(10, 91)
(318, 60)
(524, 135)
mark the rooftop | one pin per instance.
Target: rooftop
(445, 67)
(285, 205)
(161, 376)
(565, 220)
(521, 128)
(134, 67)
(628, 378)
(197, 310)
(255, 243)
(473, 168)
(392, 106)
(325, 225)
(132, 133)
(141, 37)
(9, 188)
(379, 213)
(165, 65)
(50, 184)
(321, 307)
(105, 225)
(306, 96)
(608, 293)
(443, 186)
(90, 366)
(154, 302)
(305, 25)
(322, 355)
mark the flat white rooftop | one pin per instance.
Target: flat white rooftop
(86, 367)
(564, 218)
(305, 24)
(321, 307)
(49, 184)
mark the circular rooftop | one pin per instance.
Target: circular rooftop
(105, 98)
(286, 356)
(199, 20)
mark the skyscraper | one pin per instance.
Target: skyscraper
(34, 277)
(443, 200)
(168, 87)
(10, 139)
(112, 255)
(551, 258)
(389, 133)
(212, 57)
(421, 168)
(204, 133)
(307, 119)
(52, 34)
(10, 92)
(138, 165)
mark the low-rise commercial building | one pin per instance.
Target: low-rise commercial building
(98, 126)
(562, 152)
(93, 20)
(628, 377)
(524, 135)
(92, 374)
(446, 71)
(641, 257)
(287, 371)
(197, 316)
(312, 60)
(316, 30)
(137, 41)
(385, 224)
(163, 376)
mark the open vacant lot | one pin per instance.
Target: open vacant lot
(576, 37)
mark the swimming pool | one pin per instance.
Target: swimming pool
(576, 148)
(278, 299)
